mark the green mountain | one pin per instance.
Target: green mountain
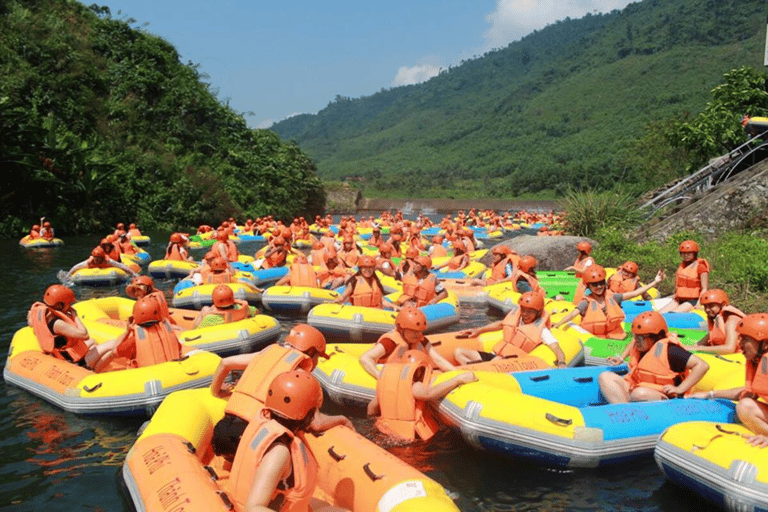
(101, 123)
(563, 106)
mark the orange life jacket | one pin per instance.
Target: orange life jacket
(422, 292)
(328, 241)
(33, 234)
(350, 257)
(46, 233)
(580, 265)
(114, 253)
(276, 259)
(38, 318)
(317, 256)
(438, 251)
(456, 262)
(151, 344)
(525, 337)
(532, 281)
(401, 347)
(688, 283)
(240, 311)
(302, 274)
(230, 249)
(250, 391)
(176, 252)
(401, 414)
(499, 270)
(127, 247)
(717, 334)
(365, 294)
(211, 277)
(618, 284)
(652, 368)
(134, 232)
(605, 324)
(757, 377)
(257, 439)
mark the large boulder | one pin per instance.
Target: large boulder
(551, 252)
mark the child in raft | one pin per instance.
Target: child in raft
(525, 328)
(625, 279)
(226, 309)
(583, 260)
(273, 460)
(692, 279)
(364, 288)
(722, 320)
(751, 408)
(600, 310)
(99, 259)
(659, 366)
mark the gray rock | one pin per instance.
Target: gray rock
(551, 252)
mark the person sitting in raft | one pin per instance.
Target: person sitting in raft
(524, 277)
(583, 260)
(752, 408)
(437, 249)
(625, 279)
(317, 254)
(460, 257)
(147, 341)
(99, 259)
(405, 264)
(133, 230)
(384, 263)
(111, 249)
(274, 469)
(525, 327)
(332, 272)
(34, 233)
(177, 248)
(225, 247)
(659, 366)
(47, 230)
(225, 309)
(503, 267)
(277, 254)
(376, 239)
(119, 230)
(600, 311)
(301, 274)
(722, 320)
(301, 350)
(364, 288)
(408, 334)
(395, 240)
(692, 279)
(420, 286)
(218, 272)
(349, 252)
(59, 330)
(403, 393)
(125, 245)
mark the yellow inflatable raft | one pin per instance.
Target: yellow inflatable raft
(123, 392)
(100, 276)
(196, 297)
(172, 467)
(40, 243)
(716, 461)
(171, 269)
(295, 299)
(106, 318)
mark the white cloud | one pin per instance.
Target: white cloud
(267, 123)
(514, 19)
(408, 75)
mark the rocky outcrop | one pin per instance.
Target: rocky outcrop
(551, 252)
(341, 198)
(726, 207)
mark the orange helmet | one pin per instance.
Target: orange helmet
(688, 246)
(176, 238)
(223, 296)
(36, 227)
(300, 259)
(714, 296)
(46, 224)
(293, 395)
(527, 263)
(218, 263)
(120, 225)
(366, 262)
(222, 236)
(649, 322)
(146, 310)
(630, 266)
(532, 300)
(411, 253)
(304, 337)
(132, 226)
(459, 245)
(502, 250)
(593, 274)
(131, 289)
(98, 252)
(416, 357)
(59, 294)
(278, 241)
(755, 326)
(437, 239)
(411, 318)
(386, 249)
(584, 246)
(424, 261)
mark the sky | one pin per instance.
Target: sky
(271, 60)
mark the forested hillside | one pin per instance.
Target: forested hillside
(101, 123)
(581, 102)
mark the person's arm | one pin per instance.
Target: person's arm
(348, 289)
(369, 358)
(704, 276)
(121, 266)
(78, 266)
(226, 366)
(438, 360)
(273, 466)
(620, 359)
(639, 291)
(323, 422)
(443, 294)
(71, 331)
(697, 368)
(551, 342)
(426, 391)
(567, 318)
(477, 331)
(731, 339)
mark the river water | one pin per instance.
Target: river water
(56, 461)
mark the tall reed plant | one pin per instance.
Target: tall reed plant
(587, 212)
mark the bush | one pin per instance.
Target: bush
(589, 211)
